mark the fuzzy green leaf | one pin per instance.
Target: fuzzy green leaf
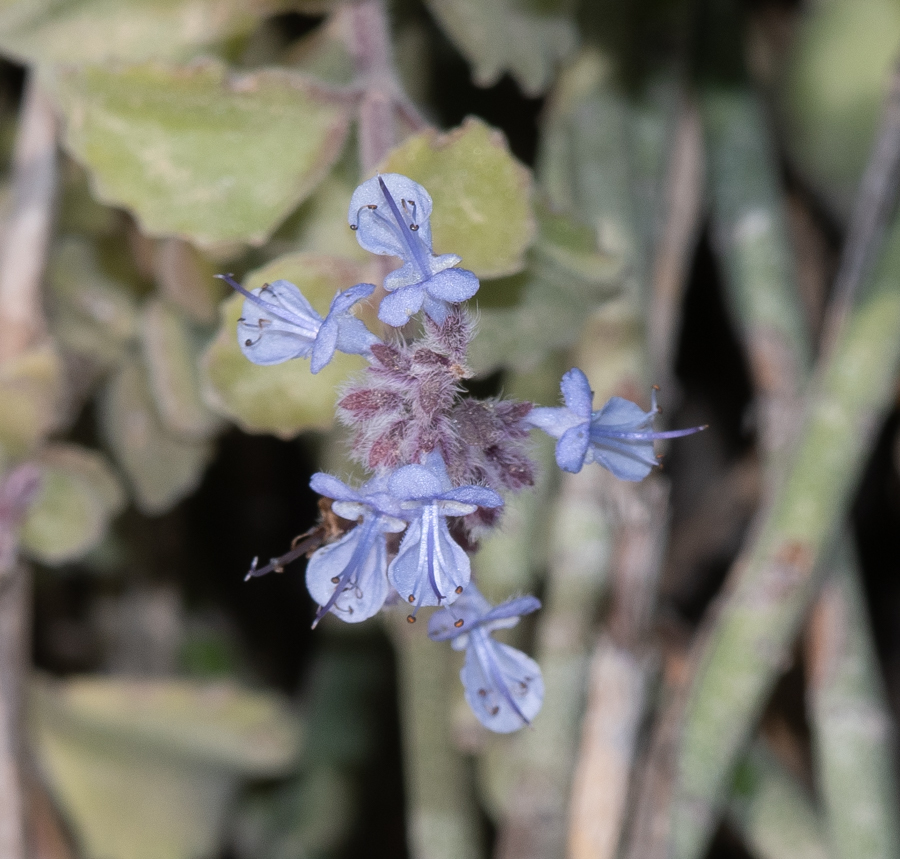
(171, 353)
(162, 467)
(196, 153)
(79, 494)
(31, 385)
(88, 31)
(145, 769)
(524, 37)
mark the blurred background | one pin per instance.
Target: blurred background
(694, 194)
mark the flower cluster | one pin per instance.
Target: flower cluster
(440, 461)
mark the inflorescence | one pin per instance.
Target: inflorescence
(440, 460)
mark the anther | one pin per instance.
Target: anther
(335, 580)
(459, 623)
(494, 710)
(248, 342)
(411, 598)
(354, 226)
(410, 618)
(414, 227)
(459, 590)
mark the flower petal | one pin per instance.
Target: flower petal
(577, 393)
(430, 567)
(572, 448)
(331, 487)
(627, 460)
(513, 608)
(414, 482)
(503, 686)
(469, 608)
(553, 421)
(344, 300)
(452, 284)
(325, 344)
(376, 229)
(349, 577)
(621, 414)
(480, 496)
(397, 307)
(277, 323)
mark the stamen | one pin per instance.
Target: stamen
(283, 315)
(410, 618)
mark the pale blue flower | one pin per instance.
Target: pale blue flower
(619, 435)
(431, 568)
(278, 324)
(503, 686)
(349, 577)
(391, 216)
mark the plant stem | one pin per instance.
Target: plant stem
(851, 725)
(773, 811)
(441, 817)
(774, 578)
(17, 491)
(27, 231)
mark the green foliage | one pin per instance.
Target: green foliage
(91, 31)
(171, 352)
(146, 768)
(838, 72)
(567, 277)
(284, 399)
(30, 390)
(79, 495)
(526, 38)
(93, 315)
(197, 153)
(162, 467)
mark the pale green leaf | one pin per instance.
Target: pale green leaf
(196, 153)
(186, 279)
(162, 467)
(525, 37)
(525, 317)
(839, 67)
(146, 769)
(79, 495)
(171, 354)
(482, 195)
(283, 399)
(90, 31)
(91, 314)
(31, 386)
